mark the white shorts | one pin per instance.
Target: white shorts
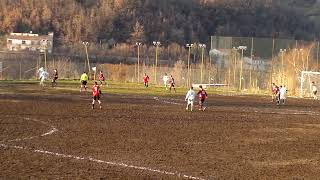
(283, 96)
(190, 101)
(42, 79)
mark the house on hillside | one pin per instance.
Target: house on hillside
(30, 42)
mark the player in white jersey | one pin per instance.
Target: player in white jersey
(283, 94)
(190, 98)
(43, 75)
(165, 80)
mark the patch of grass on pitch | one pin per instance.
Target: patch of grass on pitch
(73, 86)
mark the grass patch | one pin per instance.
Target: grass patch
(72, 86)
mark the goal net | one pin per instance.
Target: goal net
(307, 77)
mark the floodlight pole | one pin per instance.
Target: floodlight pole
(189, 46)
(45, 58)
(202, 46)
(303, 68)
(282, 51)
(318, 56)
(242, 48)
(241, 69)
(250, 81)
(156, 44)
(235, 65)
(45, 54)
(138, 44)
(294, 59)
(87, 55)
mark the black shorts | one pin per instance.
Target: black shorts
(315, 92)
(202, 100)
(96, 97)
(172, 84)
(84, 83)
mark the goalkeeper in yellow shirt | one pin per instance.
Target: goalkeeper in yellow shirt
(84, 80)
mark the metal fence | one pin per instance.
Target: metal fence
(24, 66)
(242, 63)
(254, 63)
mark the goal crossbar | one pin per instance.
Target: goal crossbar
(208, 85)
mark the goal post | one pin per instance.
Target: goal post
(306, 79)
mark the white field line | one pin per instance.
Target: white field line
(102, 162)
(167, 102)
(53, 130)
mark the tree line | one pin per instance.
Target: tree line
(168, 21)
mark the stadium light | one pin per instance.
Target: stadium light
(202, 46)
(156, 44)
(242, 48)
(138, 44)
(86, 44)
(189, 46)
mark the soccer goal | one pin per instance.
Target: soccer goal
(307, 77)
(205, 86)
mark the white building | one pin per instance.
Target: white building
(30, 42)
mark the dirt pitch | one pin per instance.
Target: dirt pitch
(51, 136)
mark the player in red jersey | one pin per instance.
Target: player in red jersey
(172, 83)
(275, 90)
(146, 80)
(102, 79)
(202, 94)
(96, 92)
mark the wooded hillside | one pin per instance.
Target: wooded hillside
(180, 21)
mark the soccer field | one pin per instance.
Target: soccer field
(51, 134)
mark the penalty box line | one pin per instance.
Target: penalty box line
(53, 130)
(102, 161)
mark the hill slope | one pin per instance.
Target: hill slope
(180, 21)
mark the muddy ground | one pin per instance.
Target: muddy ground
(50, 136)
